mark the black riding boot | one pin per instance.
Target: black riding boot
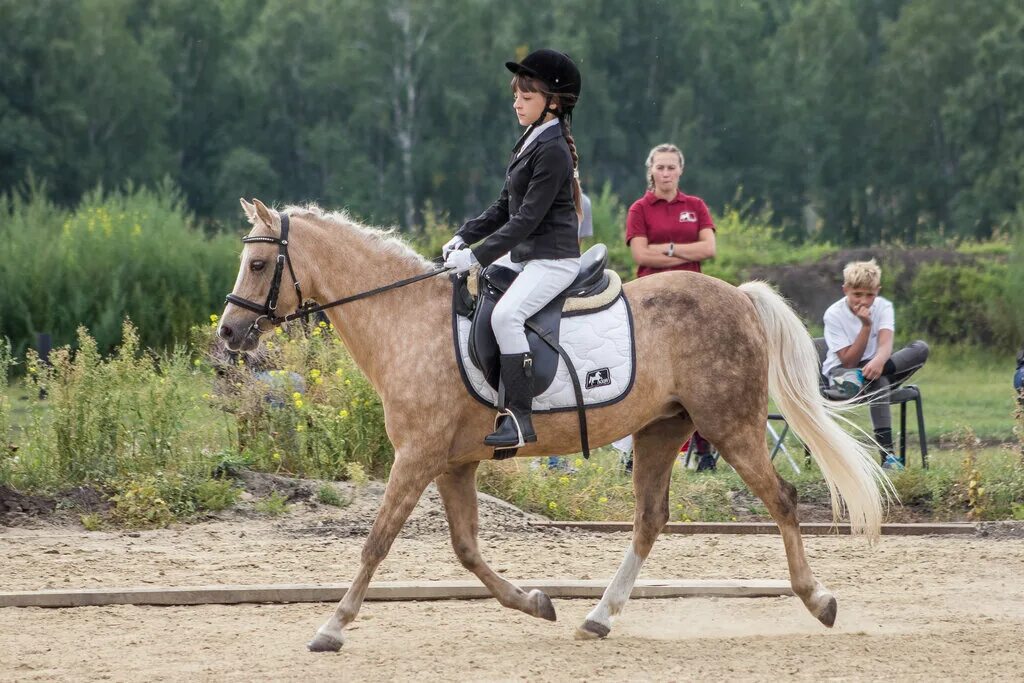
(514, 427)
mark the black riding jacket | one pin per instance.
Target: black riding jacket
(534, 217)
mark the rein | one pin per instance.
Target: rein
(268, 310)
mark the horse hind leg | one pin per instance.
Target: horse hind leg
(458, 491)
(655, 450)
(409, 477)
(744, 448)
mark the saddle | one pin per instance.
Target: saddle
(476, 293)
(542, 330)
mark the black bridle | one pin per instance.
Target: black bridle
(268, 310)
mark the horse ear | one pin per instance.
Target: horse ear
(250, 210)
(263, 212)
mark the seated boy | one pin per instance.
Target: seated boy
(859, 334)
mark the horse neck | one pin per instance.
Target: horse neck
(375, 330)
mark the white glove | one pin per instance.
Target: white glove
(454, 244)
(460, 260)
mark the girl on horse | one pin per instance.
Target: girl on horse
(532, 228)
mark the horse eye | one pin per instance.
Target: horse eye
(257, 266)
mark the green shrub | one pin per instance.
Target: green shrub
(965, 304)
(745, 239)
(138, 504)
(305, 409)
(274, 505)
(215, 494)
(92, 521)
(328, 495)
(132, 253)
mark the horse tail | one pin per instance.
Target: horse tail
(853, 476)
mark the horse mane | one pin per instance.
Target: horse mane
(387, 239)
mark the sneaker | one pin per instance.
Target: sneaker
(891, 462)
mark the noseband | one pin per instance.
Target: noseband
(268, 310)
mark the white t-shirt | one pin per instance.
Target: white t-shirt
(842, 328)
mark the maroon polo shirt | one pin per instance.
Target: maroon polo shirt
(679, 220)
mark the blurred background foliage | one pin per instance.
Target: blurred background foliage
(129, 128)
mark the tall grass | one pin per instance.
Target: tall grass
(160, 434)
(132, 253)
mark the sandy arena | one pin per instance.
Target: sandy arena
(912, 608)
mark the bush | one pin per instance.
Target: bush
(967, 304)
(302, 407)
(745, 238)
(132, 254)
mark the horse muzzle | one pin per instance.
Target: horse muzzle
(239, 336)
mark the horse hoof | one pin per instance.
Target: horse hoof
(827, 615)
(325, 643)
(592, 630)
(542, 606)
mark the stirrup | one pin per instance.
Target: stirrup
(520, 441)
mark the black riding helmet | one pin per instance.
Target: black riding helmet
(556, 69)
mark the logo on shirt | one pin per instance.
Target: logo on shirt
(687, 216)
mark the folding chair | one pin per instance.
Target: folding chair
(899, 395)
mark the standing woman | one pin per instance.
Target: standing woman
(669, 230)
(532, 228)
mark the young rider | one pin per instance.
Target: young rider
(532, 228)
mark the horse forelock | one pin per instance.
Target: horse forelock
(386, 240)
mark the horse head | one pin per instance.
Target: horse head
(261, 293)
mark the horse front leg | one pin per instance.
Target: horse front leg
(458, 491)
(655, 449)
(409, 477)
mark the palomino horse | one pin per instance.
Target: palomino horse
(749, 344)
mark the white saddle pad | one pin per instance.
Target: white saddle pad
(600, 345)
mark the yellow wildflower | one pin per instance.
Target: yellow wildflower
(214, 318)
(602, 500)
(552, 505)
(343, 413)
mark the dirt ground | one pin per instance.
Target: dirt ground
(911, 608)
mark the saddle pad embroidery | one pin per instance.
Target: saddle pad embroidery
(600, 345)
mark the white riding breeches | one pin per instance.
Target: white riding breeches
(539, 282)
